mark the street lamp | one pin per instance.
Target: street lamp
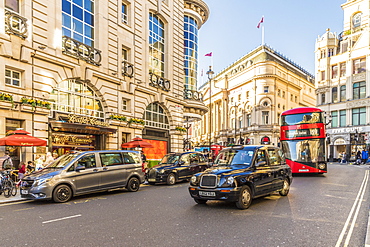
(235, 125)
(187, 142)
(210, 75)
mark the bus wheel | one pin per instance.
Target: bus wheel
(285, 190)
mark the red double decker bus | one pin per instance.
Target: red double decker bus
(302, 137)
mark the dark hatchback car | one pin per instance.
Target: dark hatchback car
(176, 167)
(241, 173)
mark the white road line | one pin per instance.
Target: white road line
(64, 218)
(357, 204)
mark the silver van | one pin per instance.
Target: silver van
(85, 172)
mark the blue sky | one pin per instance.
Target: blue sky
(291, 28)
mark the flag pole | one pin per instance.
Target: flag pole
(263, 34)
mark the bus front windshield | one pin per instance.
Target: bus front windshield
(302, 118)
(305, 151)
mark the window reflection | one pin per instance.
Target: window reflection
(312, 150)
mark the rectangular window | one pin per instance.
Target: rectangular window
(124, 13)
(358, 116)
(334, 94)
(248, 120)
(323, 98)
(295, 99)
(111, 159)
(291, 97)
(334, 119)
(266, 89)
(322, 75)
(359, 65)
(342, 118)
(124, 54)
(344, 46)
(12, 5)
(125, 104)
(334, 71)
(343, 68)
(330, 52)
(240, 122)
(12, 77)
(343, 93)
(359, 90)
(265, 117)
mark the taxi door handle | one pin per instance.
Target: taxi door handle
(105, 169)
(95, 170)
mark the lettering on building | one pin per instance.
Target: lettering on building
(86, 120)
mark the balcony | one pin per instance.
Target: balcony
(128, 69)
(15, 24)
(76, 49)
(159, 82)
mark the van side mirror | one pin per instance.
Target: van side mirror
(261, 163)
(80, 168)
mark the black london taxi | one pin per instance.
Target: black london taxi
(176, 167)
(241, 173)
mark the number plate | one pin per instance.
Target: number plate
(151, 180)
(24, 192)
(303, 170)
(207, 193)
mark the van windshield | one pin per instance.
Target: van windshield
(62, 161)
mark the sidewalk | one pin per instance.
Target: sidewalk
(15, 198)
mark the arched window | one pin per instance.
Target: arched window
(75, 96)
(155, 116)
(156, 45)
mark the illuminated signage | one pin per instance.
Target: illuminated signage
(302, 133)
(86, 120)
(76, 139)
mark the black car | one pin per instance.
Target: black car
(177, 166)
(241, 173)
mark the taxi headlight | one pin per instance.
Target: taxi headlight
(193, 180)
(230, 180)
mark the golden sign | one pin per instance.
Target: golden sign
(86, 120)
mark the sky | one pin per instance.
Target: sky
(291, 27)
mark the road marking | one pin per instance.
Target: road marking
(64, 218)
(23, 209)
(12, 203)
(356, 206)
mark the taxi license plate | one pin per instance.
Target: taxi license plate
(151, 180)
(303, 170)
(207, 193)
(24, 192)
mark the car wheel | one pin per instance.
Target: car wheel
(245, 198)
(133, 185)
(285, 190)
(200, 201)
(62, 193)
(171, 179)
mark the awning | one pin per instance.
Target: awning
(80, 128)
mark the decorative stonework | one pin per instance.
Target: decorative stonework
(359, 77)
(358, 103)
(42, 110)
(27, 108)
(6, 104)
(199, 7)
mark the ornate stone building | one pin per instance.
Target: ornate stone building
(343, 90)
(247, 98)
(91, 74)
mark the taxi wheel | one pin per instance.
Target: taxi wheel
(62, 193)
(200, 201)
(245, 198)
(171, 179)
(285, 190)
(133, 185)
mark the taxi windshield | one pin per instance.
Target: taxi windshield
(234, 157)
(170, 159)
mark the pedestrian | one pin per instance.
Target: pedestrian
(21, 170)
(38, 162)
(48, 159)
(6, 162)
(364, 156)
(30, 167)
(344, 158)
(358, 158)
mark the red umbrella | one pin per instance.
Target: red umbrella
(21, 140)
(137, 142)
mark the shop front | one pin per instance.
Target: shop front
(78, 133)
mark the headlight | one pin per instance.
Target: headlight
(230, 180)
(193, 180)
(41, 181)
(321, 166)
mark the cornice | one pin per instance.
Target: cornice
(199, 7)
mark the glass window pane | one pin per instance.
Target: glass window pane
(77, 12)
(66, 6)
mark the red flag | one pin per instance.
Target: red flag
(208, 54)
(259, 23)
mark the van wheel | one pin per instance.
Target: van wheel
(245, 198)
(285, 190)
(133, 185)
(171, 179)
(62, 193)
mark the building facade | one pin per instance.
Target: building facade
(87, 75)
(343, 89)
(247, 98)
